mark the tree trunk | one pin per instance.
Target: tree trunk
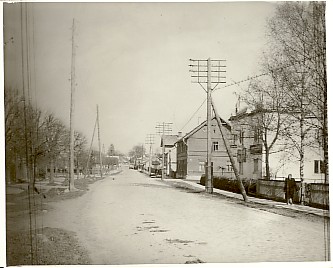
(301, 160)
(268, 175)
(51, 181)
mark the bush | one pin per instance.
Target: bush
(231, 185)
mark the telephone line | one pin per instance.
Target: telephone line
(193, 115)
(255, 76)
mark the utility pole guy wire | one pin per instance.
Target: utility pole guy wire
(201, 71)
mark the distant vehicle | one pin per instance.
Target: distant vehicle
(131, 166)
(156, 169)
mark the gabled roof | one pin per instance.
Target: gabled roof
(204, 123)
(169, 140)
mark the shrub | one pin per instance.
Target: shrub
(231, 185)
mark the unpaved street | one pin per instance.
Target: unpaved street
(134, 219)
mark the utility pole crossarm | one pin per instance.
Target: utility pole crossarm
(201, 70)
(150, 140)
(162, 129)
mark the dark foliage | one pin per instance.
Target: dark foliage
(231, 185)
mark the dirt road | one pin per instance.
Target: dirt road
(134, 219)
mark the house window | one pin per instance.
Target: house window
(201, 166)
(215, 146)
(256, 135)
(234, 139)
(255, 165)
(319, 167)
(241, 155)
(241, 168)
(241, 137)
(229, 167)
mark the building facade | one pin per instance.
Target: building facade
(192, 152)
(284, 155)
(247, 143)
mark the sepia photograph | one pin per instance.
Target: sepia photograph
(165, 133)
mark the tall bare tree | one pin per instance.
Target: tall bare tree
(269, 120)
(55, 141)
(297, 34)
(80, 151)
(14, 135)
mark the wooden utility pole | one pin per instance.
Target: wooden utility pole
(209, 179)
(99, 145)
(227, 146)
(150, 141)
(71, 124)
(202, 72)
(163, 128)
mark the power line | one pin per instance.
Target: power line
(27, 161)
(150, 139)
(256, 76)
(193, 115)
(229, 85)
(202, 71)
(163, 128)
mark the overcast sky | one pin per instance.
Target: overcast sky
(132, 60)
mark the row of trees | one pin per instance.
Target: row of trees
(292, 96)
(37, 143)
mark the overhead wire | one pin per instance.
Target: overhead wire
(31, 132)
(193, 115)
(26, 136)
(236, 83)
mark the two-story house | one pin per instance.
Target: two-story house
(170, 155)
(192, 152)
(247, 143)
(283, 158)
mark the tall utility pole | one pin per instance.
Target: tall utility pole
(202, 72)
(99, 145)
(150, 142)
(143, 153)
(209, 181)
(162, 129)
(71, 127)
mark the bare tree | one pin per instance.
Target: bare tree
(14, 135)
(137, 152)
(80, 151)
(269, 118)
(297, 33)
(55, 141)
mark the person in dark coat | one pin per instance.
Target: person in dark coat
(289, 188)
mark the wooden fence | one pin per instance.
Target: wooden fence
(316, 194)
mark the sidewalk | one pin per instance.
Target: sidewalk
(305, 209)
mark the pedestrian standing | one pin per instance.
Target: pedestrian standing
(289, 188)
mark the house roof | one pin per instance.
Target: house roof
(204, 123)
(169, 140)
(246, 113)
